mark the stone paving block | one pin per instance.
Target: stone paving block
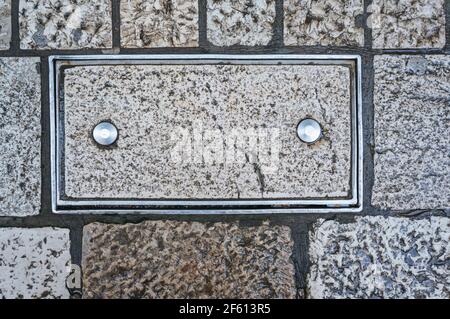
(398, 24)
(234, 22)
(168, 259)
(378, 257)
(159, 23)
(34, 263)
(20, 131)
(65, 24)
(323, 22)
(5, 24)
(412, 132)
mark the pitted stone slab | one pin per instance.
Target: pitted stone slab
(235, 22)
(34, 263)
(150, 103)
(378, 257)
(20, 132)
(5, 24)
(407, 23)
(412, 132)
(323, 22)
(65, 24)
(168, 259)
(160, 23)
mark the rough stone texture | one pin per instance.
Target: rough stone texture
(168, 259)
(407, 23)
(323, 22)
(20, 130)
(5, 24)
(65, 24)
(159, 23)
(379, 257)
(150, 103)
(234, 22)
(34, 263)
(412, 132)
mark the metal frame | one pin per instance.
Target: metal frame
(251, 206)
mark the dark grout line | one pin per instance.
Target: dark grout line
(202, 23)
(367, 30)
(278, 26)
(45, 141)
(15, 33)
(447, 26)
(300, 257)
(115, 16)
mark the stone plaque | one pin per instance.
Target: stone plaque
(204, 133)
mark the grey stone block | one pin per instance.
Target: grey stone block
(407, 23)
(65, 24)
(159, 23)
(168, 259)
(34, 263)
(5, 24)
(178, 123)
(412, 132)
(323, 22)
(378, 257)
(234, 22)
(20, 132)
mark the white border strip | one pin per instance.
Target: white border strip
(347, 205)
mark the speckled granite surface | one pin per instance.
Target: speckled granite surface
(412, 132)
(34, 263)
(234, 22)
(65, 24)
(323, 22)
(20, 132)
(153, 159)
(5, 24)
(378, 257)
(168, 259)
(160, 23)
(407, 23)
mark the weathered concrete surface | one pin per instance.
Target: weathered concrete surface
(177, 125)
(34, 263)
(168, 259)
(378, 257)
(407, 23)
(160, 23)
(234, 22)
(323, 22)
(65, 24)
(412, 132)
(5, 24)
(20, 131)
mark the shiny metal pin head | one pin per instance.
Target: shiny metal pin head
(309, 131)
(105, 133)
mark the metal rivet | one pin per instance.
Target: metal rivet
(105, 133)
(309, 131)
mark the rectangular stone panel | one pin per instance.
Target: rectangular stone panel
(412, 132)
(377, 257)
(5, 24)
(34, 263)
(170, 259)
(65, 24)
(199, 133)
(20, 136)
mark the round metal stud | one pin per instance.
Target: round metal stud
(105, 133)
(309, 131)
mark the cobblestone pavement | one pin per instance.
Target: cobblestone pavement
(397, 247)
